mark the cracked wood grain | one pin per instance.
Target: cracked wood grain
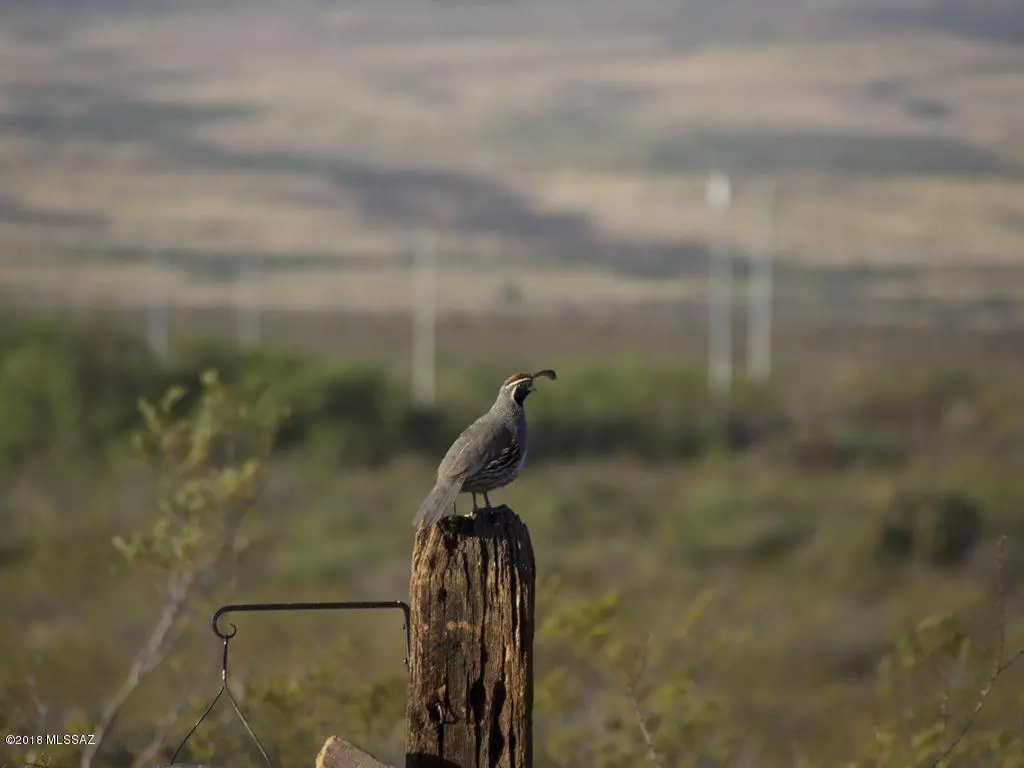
(470, 700)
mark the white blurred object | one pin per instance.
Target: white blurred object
(719, 196)
(719, 191)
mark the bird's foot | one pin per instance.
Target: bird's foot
(471, 515)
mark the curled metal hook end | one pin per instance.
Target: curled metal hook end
(216, 623)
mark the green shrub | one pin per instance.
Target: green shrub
(40, 406)
(359, 412)
(841, 450)
(908, 401)
(940, 528)
(642, 410)
(364, 415)
(64, 387)
(353, 408)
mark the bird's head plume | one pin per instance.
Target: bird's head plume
(519, 385)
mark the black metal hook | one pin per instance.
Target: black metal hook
(317, 606)
(226, 636)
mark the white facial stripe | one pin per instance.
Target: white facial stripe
(512, 384)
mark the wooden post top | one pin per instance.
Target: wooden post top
(470, 700)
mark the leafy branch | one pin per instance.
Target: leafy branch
(208, 465)
(1001, 663)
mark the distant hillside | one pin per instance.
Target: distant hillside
(316, 136)
(997, 20)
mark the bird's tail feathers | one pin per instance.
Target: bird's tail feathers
(439, 502)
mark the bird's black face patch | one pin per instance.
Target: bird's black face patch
(521, 391)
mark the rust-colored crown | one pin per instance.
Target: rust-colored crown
(546, 373)
(515, 377)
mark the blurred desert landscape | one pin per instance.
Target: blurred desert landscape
(822, 565)
(558, 149)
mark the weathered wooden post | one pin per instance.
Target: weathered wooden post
(470, 696)
(470, 701)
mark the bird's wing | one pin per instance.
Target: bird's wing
(475, 448)
(509, 454)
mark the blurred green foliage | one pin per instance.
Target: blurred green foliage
(38, 403)
(931, 687)
(75, 390)
(68, 388)
(79, 386)
(725, 574)
(206, 456)
(651, 703)
(602, 660)
(292, 711)
(941, 528)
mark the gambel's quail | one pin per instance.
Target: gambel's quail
(488, 455)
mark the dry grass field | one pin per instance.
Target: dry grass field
(559, 149)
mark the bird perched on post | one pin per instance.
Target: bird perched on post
(487, 455)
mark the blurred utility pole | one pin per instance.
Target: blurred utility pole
(250, 298)
(719, 196)
(424, 247)
(157, 325)
(759, 285)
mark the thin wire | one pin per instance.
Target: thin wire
(234, 705)
(276, 607)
